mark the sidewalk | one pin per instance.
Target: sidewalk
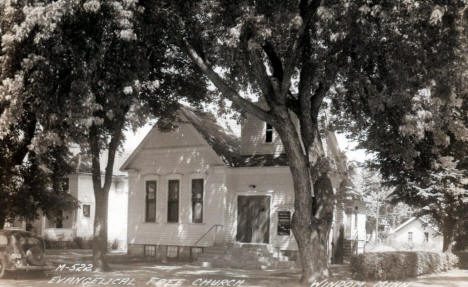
(124, 265)
(452, 278)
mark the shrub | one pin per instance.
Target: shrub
(463, 255)
(400, 265)
(78, 241)
(115, 244)
(82, 243)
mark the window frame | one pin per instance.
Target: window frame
(426, 236)
(278, 225)
(172, 249)
(87, 206)
(65, 184)
(268, 129)
(178, 180)
(149, 250)
(410, 237)
(192, 179)
(59, 219)
(147, 182)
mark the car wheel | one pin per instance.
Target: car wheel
(35, 256)
(2, 266)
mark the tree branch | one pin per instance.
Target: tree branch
(29, 131)
(93, 139)
(113, 145)
(302, 22)
(275, 61)
(243, 104)
(307, 120)
(254, 52)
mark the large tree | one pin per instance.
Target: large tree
(292, 55)
(419, 138)
(100, 68)
(33, 160)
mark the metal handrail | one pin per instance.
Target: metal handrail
(355, 243)
(211, 228)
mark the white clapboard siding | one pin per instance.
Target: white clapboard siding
(181, 154)
(275, 182)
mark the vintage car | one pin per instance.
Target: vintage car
(21, 250)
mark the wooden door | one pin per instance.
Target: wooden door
(253, 219)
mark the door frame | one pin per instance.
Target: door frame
(237, 215)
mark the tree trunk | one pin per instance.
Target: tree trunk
(101, 198)
(448, 236)
(101, 192)
(100, 230)
(377, 223)
(2, 221)
(310, 230)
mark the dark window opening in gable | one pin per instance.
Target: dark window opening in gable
(268, 133)
(86, 210)
(150, 215)
(173, 202)
(197, 200)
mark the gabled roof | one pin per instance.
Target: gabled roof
(225, 144)
(406, 223)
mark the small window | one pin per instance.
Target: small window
(197, 200)
(356, 209)
(64, 184)
(150, 201)
(268, 133)
(284, 222)
(173, 201)
(150, 250)
(410, 236)
(86, 210)
(172, 251)
(59, 220)
(426, 236)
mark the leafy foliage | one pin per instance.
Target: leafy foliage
(90, 70)
(418, 130)
(380, 210)
(369, 57)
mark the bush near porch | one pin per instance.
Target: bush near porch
(463, 255)
(400, 264)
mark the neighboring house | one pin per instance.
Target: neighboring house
(196, 186)
(416, 234)
(68, 225)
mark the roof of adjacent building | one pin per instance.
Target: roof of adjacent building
(407, 222)
(81, 163)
